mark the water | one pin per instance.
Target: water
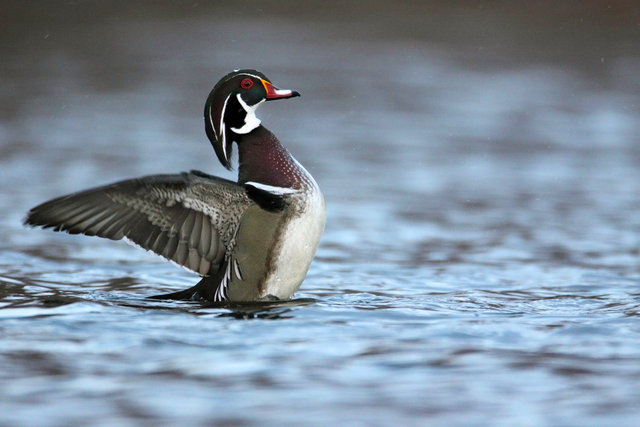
(480, 263)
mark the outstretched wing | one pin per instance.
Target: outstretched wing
(190, 218)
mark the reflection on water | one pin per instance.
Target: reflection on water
(480, 262)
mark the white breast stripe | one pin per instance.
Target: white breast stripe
(278, 191)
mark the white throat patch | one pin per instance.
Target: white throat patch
(250, 121)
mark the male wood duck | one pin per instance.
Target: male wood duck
(250, 240)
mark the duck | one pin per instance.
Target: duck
(250, 240)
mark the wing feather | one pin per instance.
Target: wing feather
(188, 218)
(181, 253)
(193, 261)
(115, 229)
(204, 243)
(187, 225)
(194, 237)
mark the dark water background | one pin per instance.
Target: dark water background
(481, 260)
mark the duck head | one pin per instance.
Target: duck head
(230, 109)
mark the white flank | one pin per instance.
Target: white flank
(221, 292)
(236, 267)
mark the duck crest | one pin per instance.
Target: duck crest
(231, 105)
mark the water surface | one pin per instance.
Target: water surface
(480, 263)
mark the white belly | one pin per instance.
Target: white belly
(298, 245)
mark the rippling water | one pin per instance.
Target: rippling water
(480, 263)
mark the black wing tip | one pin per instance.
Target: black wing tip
(31, 220)
(39, 216)
(27, 220)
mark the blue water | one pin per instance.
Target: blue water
(481, 260)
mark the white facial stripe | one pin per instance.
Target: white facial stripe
(278, 191)
(211, 118)
(253, 75)
(223, 132)
(250, 121)
(243, 74)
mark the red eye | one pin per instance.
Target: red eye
(246, 84)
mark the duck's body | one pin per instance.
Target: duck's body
(251, 240)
